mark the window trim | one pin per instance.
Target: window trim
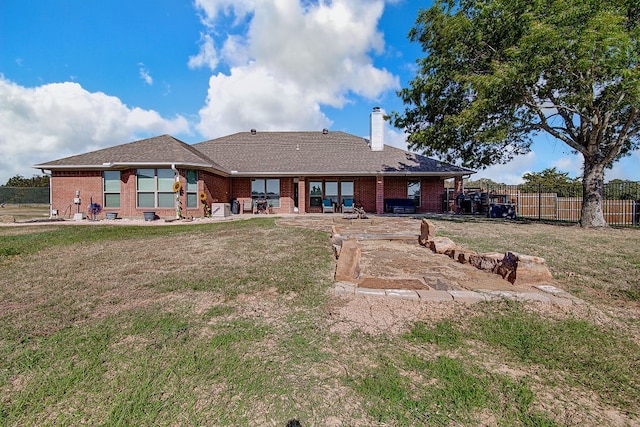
(106, 192)
(315, 201)
(156, 192)
(273, 200)
(417, 200)
(190, 193)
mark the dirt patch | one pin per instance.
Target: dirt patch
(383, 315)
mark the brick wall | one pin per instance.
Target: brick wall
(431, 194)
(365, 193)
(63, 190)
(217, 188)
(369, 192)
(286, 196)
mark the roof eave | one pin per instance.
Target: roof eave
(127, 165)
(449, 174)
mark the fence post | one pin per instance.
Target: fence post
(539, 202)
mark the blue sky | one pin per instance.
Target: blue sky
(76, 76)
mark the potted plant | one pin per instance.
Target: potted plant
(94, 210)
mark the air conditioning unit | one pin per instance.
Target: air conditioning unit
(220, 210)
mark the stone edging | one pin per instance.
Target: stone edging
(549, 294)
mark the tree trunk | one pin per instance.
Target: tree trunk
(592, 214)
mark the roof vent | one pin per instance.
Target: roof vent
(253, 132)
(325, 131)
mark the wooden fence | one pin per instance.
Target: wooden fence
(551, 207)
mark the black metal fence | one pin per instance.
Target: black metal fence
(560, 203)
(24, 195)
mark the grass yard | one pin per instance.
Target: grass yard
(25, 211)
(234, 324)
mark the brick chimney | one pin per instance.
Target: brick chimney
(377, 130)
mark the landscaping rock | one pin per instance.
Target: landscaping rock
(348, 267)
(336, 250)
(507, 267)
(531, 269)
(486, 262)
(427, 232)
(460, 255)
(405, 294)
(441, 245)
(469, 297)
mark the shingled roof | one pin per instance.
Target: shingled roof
(264, 154)
(159, 150)
(317, 153)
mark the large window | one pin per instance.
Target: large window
(155, 188)
(266, 189)
(346, 190)
(192, 189)
(111, 189)
(331, 191)
(315, 193)
(413, 192)
(319, 190)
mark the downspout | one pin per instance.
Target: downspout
(50, 195)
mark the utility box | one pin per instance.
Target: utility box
(220, 210)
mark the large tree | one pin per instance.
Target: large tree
(497, 72)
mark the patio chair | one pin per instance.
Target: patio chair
(327, 206)
(247, 205)
(347, 205)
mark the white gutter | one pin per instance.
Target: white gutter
(50, 195)
(176, 178)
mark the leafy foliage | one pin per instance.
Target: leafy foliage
(496, 72)
(34, 181)
(551, 179)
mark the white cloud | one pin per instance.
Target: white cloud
(211, 9)
(145, 75)
(395, 138)
(252, 98)
(207, 57)
(60, 119)
(294, 57)
(571, 164)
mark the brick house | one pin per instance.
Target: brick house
(292, 171)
